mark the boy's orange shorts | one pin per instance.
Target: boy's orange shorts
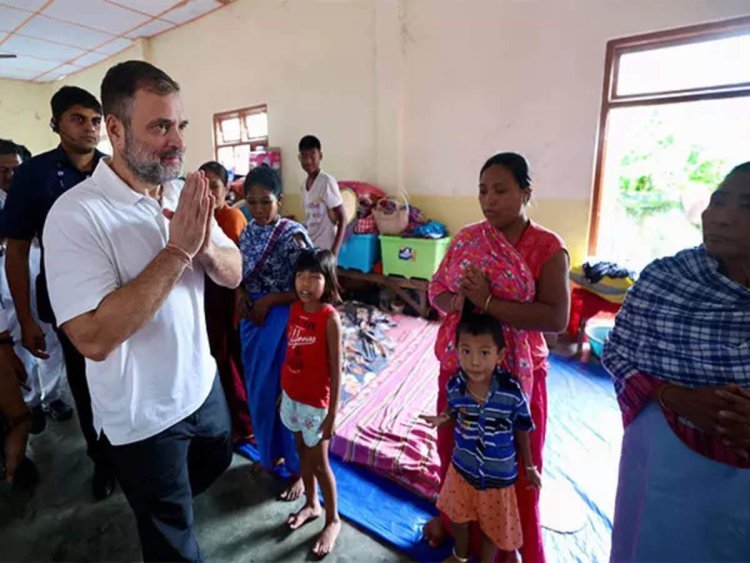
(496, 510)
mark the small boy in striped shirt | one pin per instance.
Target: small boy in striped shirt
(492, 420)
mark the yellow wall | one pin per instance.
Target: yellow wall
(25, 114)
(565, 216)
(292, 204)
(568, 217)
(410, 94)
(24, 106)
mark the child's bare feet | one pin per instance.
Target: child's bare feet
(293, 491)
(303, 515)
(434, 531)
(327, 538)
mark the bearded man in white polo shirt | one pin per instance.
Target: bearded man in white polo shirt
(127, 251)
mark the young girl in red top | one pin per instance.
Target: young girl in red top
(310, 387)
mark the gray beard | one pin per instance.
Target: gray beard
(144, 167)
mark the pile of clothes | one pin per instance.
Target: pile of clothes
(419, 227)
(368, 196)
(598, 270)
(366, 344)
(608, 280)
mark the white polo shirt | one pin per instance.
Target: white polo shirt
(97, 237)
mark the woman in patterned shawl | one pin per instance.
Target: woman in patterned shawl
(679, 356)
(516, 271)
(270, 246)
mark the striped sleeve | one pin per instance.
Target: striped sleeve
(4, 325)
(521, 415)
(453, 388)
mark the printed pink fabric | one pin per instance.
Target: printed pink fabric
(484, 246)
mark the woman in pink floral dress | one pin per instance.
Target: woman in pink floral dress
(517, 272)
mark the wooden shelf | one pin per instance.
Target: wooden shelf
(398, 285)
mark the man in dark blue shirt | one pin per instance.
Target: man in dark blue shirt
(76, 118)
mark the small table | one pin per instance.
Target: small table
(398, 285)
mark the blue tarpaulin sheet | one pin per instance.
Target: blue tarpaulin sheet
(380, 507)
(582, 450)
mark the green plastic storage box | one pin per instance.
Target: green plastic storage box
(412, 257)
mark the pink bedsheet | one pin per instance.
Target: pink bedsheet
(379, 427)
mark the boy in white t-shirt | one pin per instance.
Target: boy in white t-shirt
(322, 199)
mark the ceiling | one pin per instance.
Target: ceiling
(54, 38)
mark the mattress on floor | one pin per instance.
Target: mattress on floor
(378, 426)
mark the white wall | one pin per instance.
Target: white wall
(311, 62)
(91, 78)
(489, 75)
(403, 93)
